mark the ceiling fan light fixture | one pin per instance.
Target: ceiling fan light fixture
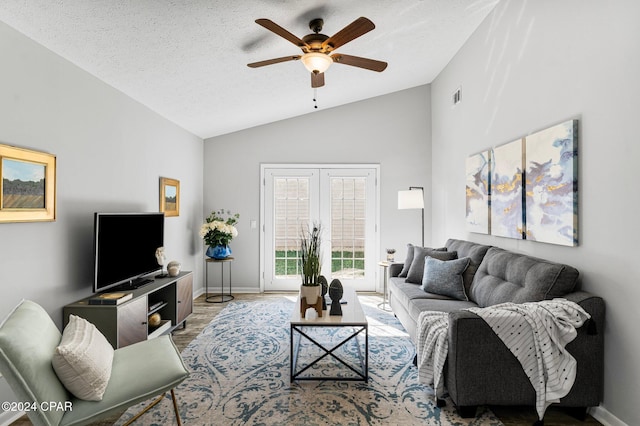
(319, 49)
(316, 62)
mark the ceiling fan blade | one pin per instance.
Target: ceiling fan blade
(356, 61)
(352, 31)
(273, 61)
(275, 28)
(317, 80)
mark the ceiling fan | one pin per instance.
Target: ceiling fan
(317, 48)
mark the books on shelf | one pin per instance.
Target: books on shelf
(110, 298)
(157, 305)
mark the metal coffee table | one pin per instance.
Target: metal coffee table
(352, 319)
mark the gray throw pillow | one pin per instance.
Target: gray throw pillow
(407, 262)
(417, 265)
(445, 278)
(409, 259)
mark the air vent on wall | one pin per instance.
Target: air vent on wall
(457, 96)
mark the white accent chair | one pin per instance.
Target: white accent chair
(28, 339)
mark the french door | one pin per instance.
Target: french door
(343, 200)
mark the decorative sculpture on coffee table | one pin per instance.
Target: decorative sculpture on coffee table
(325, 288)
(335, 293)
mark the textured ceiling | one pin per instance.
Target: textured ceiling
(186, 59)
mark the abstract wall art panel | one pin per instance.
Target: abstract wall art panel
(506, 190)
(478, 181)
(552, 185)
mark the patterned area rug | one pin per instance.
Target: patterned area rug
(240, 375)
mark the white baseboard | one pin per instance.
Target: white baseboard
(605, 417)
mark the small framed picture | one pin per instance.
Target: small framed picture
(27, 185)
(170, 196)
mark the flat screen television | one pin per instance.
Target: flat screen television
(125, 248)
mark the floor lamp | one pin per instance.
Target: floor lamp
(412, 199)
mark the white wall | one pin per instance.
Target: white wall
(393, 131)
(111, 152)
(530, 65)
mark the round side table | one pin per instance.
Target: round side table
(385, 304)
(221, 298)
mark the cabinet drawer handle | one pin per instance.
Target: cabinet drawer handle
(144, 323)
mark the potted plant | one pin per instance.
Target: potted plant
(218, 231)
(310, 263)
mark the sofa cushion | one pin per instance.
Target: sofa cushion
(404, 291)
(505, 276)
(474, 251)
(83, 359)
(409, 259)
(417, 265)
(445, 277)
(416, 306)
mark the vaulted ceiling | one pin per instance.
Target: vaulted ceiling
(187, 59)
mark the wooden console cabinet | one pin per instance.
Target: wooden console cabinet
(127, 323)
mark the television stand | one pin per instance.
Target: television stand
(127, 323)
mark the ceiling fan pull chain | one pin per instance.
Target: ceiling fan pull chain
(315, 98)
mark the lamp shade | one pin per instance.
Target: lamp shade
(316, 62)
(411, 199)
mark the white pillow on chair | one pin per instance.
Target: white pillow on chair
(83, 360)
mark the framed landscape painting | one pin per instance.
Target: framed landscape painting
(170, 196)
(506, 190)
(478, 192)
(552, 184)
(27, 185)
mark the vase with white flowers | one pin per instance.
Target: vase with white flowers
(218, 231)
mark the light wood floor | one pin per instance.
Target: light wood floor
(204, 312)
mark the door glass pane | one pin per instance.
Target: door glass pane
(348, 202)
(291, 211)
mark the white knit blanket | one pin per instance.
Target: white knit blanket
(536, 333)
(431, 348)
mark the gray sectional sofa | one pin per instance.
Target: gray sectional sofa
(480, 370)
